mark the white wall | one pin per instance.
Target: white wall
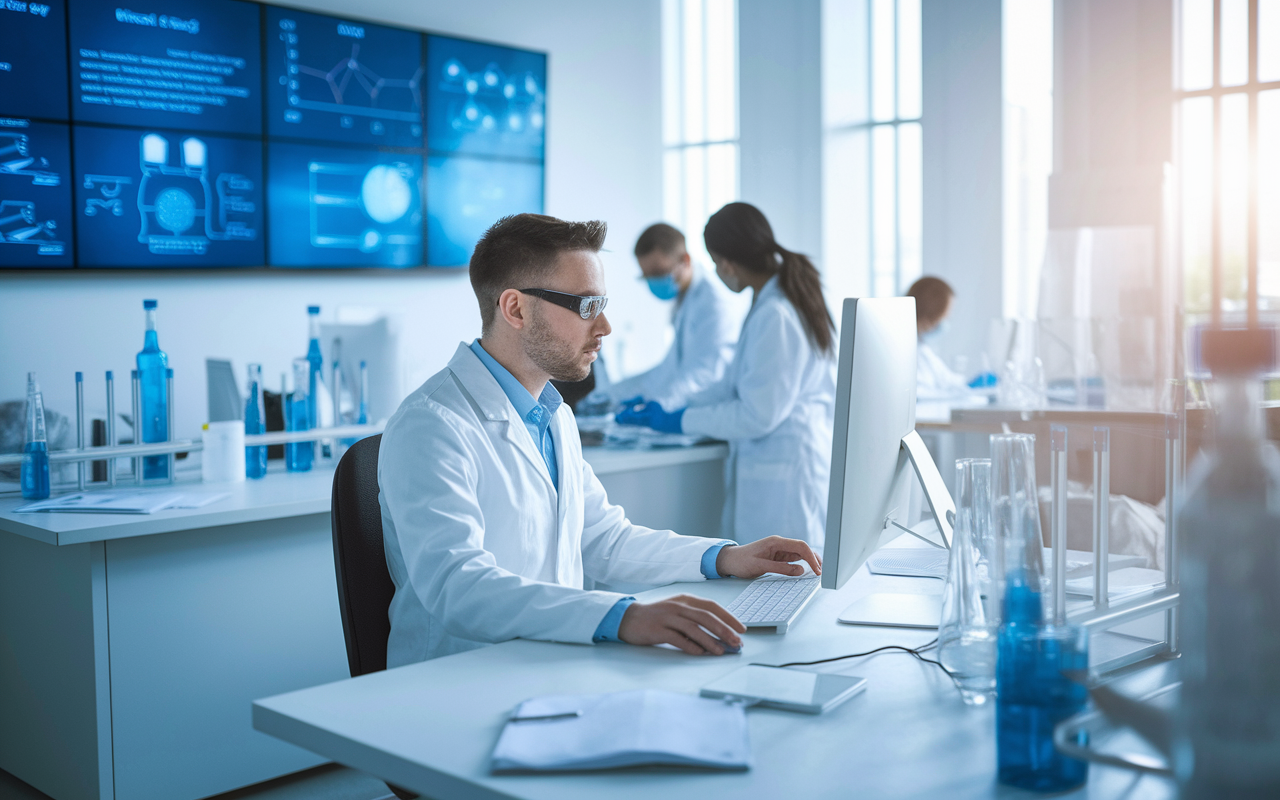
(780, 117)
(963, 163)
(603, 162)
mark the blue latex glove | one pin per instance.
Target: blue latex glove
(984, 380)
(632, 402)
(652, 415)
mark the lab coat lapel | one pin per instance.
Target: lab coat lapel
(496, 406)
(569, 509)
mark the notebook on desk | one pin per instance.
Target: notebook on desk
(622, 729)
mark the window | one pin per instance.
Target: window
(1028, 149)
(1227, 112)
(873, 146)
(700, 112)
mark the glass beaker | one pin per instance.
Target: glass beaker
(967, 633)
(1015, 523)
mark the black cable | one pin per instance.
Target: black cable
(915, 652)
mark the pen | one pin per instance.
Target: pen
(563, 715)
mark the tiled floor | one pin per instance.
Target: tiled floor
(330, 782)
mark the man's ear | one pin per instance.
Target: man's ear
(511, 308)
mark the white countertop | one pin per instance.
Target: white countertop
(280, 495)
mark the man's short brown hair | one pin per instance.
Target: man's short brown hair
(932, 295)
(520, 250)
(661, 237)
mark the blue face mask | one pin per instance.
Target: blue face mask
(664, 288)
(938, 330)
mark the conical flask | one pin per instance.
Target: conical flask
(967, 633)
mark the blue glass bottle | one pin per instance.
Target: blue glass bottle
(255, 422)
(363, 417)
(152, 366)
(298, 455)
(1034, 659)
(35, 449)
(315, 377)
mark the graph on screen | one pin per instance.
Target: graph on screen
(233, 133)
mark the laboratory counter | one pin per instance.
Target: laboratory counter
(134, 644)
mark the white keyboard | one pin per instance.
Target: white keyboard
(774, 601)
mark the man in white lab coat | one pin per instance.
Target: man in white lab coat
(491, 517)
(934, 379)
(706, 320)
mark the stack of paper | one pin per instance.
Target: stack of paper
(122, 501)
(1121, 583)
(623, 729)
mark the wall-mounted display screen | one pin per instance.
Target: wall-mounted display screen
(226, 133)
(337, 206)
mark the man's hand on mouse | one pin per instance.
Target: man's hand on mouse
(771, 554)
(696, 626)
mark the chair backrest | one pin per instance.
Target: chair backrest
(364, 583)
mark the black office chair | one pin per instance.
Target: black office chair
(364, 584)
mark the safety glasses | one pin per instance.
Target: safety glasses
(585, 306)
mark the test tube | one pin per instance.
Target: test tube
(1101, 514)
(137, 425)
(1058, 520)
(111, 425)
(80, 465)
(173, 457)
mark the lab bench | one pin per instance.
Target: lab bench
(133, 645)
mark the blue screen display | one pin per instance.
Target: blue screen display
(33, 59)
(190, 64)
(344, 207)
(35, 194)
(467, 195)
(147, 198)
(485, 100)
(336, 80)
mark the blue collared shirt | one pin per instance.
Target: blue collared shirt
(537, 416)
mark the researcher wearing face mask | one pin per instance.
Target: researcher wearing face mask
(934, 379)
(775, 404)
(705, 318)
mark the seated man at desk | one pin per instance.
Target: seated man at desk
(705, 318)
(934, 379)
(492, 519)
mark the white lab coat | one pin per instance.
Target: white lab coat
(934, 379)
(706, 321)
(480, 546)
(775, 407)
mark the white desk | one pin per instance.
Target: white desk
(132, 646)
(430, 727)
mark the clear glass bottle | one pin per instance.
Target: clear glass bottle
(1034, 658)
(152, 366)
(299, 455)
(967, 633)
(1227, 725)
(255, 422)
(35, 445)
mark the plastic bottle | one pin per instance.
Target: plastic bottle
(1227, 725)
(362, 418)
(152, 366)
(255, 422)
(298, 455)
(35, 446)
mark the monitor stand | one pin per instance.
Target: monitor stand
(910, 610)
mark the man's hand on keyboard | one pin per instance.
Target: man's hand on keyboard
(681, 621)
(772, 554)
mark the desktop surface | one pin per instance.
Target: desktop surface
(432, 726)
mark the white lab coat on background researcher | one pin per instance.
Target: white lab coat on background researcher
(934, 379)
(481, 546)
(775, 407)
(706, 320)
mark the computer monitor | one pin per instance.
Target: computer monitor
(875, 448)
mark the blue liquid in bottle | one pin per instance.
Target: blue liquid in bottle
(1033, 695)
(152, 366)
(255, 457)
(298, 455)
(35, 450)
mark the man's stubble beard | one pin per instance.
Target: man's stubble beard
(558, 359)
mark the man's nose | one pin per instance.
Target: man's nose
(602, 326)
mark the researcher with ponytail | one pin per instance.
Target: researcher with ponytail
(775, 404)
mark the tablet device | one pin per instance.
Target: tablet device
(787, 689)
